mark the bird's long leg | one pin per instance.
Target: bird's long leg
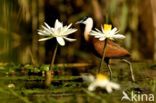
(131, 69)
(110, 71)
(108, 66)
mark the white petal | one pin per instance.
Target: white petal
(114, 30)
(98, 36)
(108, 89)
(92, 86)
(98, 30)
(69, 26)
(119, 36)
(47, 25)
(102, 38)
(88, 78)
(94, 33)
(102, 29)
(44, 39)
(114, 85)
(43, 33)
(60, 40)
(58, 24)
(46, 29)
(69, 31)
(69, 39)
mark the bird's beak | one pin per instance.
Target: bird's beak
(79, 22)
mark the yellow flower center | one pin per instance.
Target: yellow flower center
(101, 77)
(107, 27)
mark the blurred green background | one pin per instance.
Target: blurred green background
(20, 20)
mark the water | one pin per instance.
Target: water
(20, 86)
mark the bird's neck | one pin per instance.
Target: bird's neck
(87, 31)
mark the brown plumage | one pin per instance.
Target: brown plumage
(113, 50)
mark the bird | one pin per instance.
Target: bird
(113, 50)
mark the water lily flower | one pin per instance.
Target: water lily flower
(107, 32)
(101, 81)
(59, 32)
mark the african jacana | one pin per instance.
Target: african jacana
(113, 50)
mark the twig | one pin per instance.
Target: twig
(72, 65)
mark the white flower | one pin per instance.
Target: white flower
(107, 32)
(100, 81)
(59, 32)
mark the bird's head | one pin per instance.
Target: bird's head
(86, 21)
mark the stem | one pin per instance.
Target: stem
(48, 78)
(53, 58)
(103, 55)
(48, 75)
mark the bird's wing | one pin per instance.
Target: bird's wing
(113, 50)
